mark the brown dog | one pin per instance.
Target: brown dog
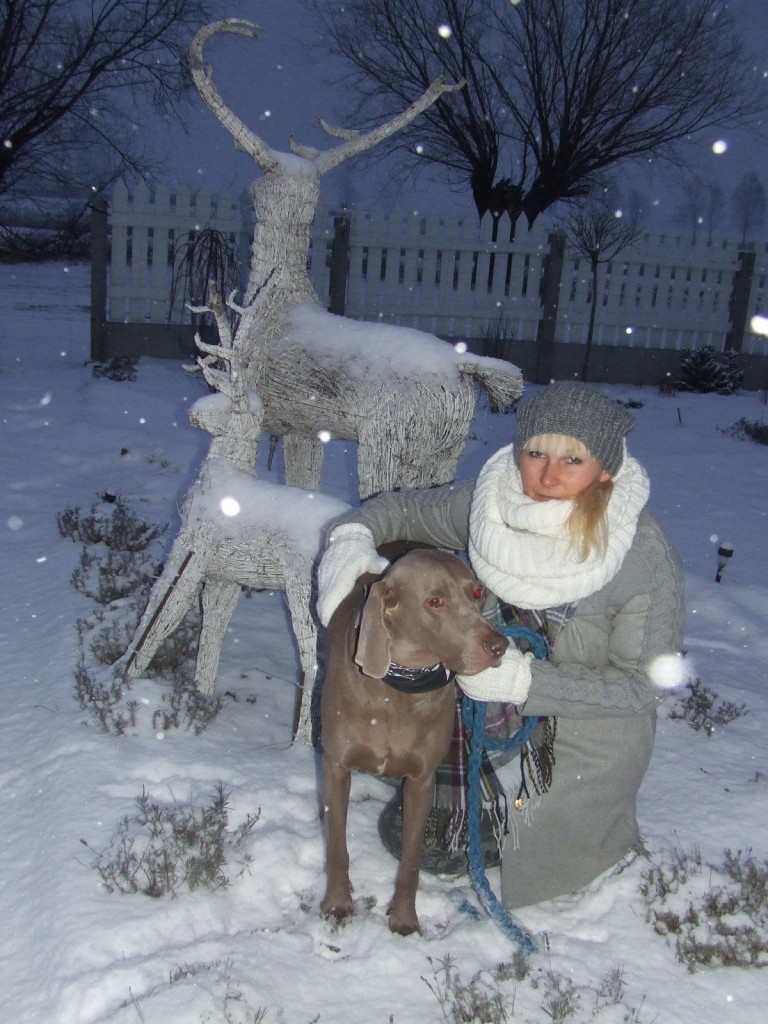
(424, 614)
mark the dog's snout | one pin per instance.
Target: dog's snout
(496, 645)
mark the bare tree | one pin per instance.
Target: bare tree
(701, 205)
(407, 46)
(714, 206)
(556, 92)
(748, 203)
(599, 231)
(636, 207)
(72, 77)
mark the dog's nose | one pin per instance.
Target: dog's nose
(496, 645)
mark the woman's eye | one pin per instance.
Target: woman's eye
(435, 602)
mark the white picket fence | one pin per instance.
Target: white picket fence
(445, 274)
(145, 228)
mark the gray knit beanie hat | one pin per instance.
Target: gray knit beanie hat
(576, 410)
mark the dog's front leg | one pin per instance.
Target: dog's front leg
(417, 803)
(337, 902)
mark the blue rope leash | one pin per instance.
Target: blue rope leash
(473, 714)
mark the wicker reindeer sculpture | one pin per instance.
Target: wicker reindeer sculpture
(236, 531)
(265, 376)
(410, 424)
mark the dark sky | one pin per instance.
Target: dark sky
(277, 90)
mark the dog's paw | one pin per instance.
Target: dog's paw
(403, 920)
(337, 911)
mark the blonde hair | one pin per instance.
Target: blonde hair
(587, 523)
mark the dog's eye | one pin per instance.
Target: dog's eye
(478, 593)
(434, 602)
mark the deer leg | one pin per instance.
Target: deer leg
(298, 596)
(173, 594)
(218, 600)
(303, 461)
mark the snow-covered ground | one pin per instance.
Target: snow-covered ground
(70, 951)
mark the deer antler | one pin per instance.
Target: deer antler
(245, 139)
(358, 142)
(355, 142)
(216, 306)
(340, 133)
(307, 152)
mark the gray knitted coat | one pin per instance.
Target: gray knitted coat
(596, 684)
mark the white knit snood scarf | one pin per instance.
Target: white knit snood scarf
(521, 549)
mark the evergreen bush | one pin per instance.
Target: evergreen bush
(116, 527)
(705, 370)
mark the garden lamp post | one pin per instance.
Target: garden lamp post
(724, 552)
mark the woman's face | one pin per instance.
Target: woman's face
(556, 477)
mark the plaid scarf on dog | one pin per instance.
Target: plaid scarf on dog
(536, 756)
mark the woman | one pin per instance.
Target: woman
(556, 527)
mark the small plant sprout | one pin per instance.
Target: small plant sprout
(702, 711)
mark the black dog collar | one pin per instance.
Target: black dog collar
(418, 680)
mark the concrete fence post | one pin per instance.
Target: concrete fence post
(339, 265)
(739, 301)
(99, 252)
(552, 273)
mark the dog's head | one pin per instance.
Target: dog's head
(425, 610)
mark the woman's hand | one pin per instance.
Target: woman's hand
(350, 553)
(507, 684)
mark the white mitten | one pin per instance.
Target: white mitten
(350, 553)
(507, 684)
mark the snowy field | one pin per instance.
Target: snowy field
(73, 953)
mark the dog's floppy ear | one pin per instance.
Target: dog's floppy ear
(372, 654)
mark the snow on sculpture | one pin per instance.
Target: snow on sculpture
(323, 373)
(236, 531)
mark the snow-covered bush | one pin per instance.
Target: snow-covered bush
(743, 429)
(488, 997)
(118, 368)
(110, 523)
(106, 576)
(716, 915)
(116, 571)
(163, 848)
(705, 370)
